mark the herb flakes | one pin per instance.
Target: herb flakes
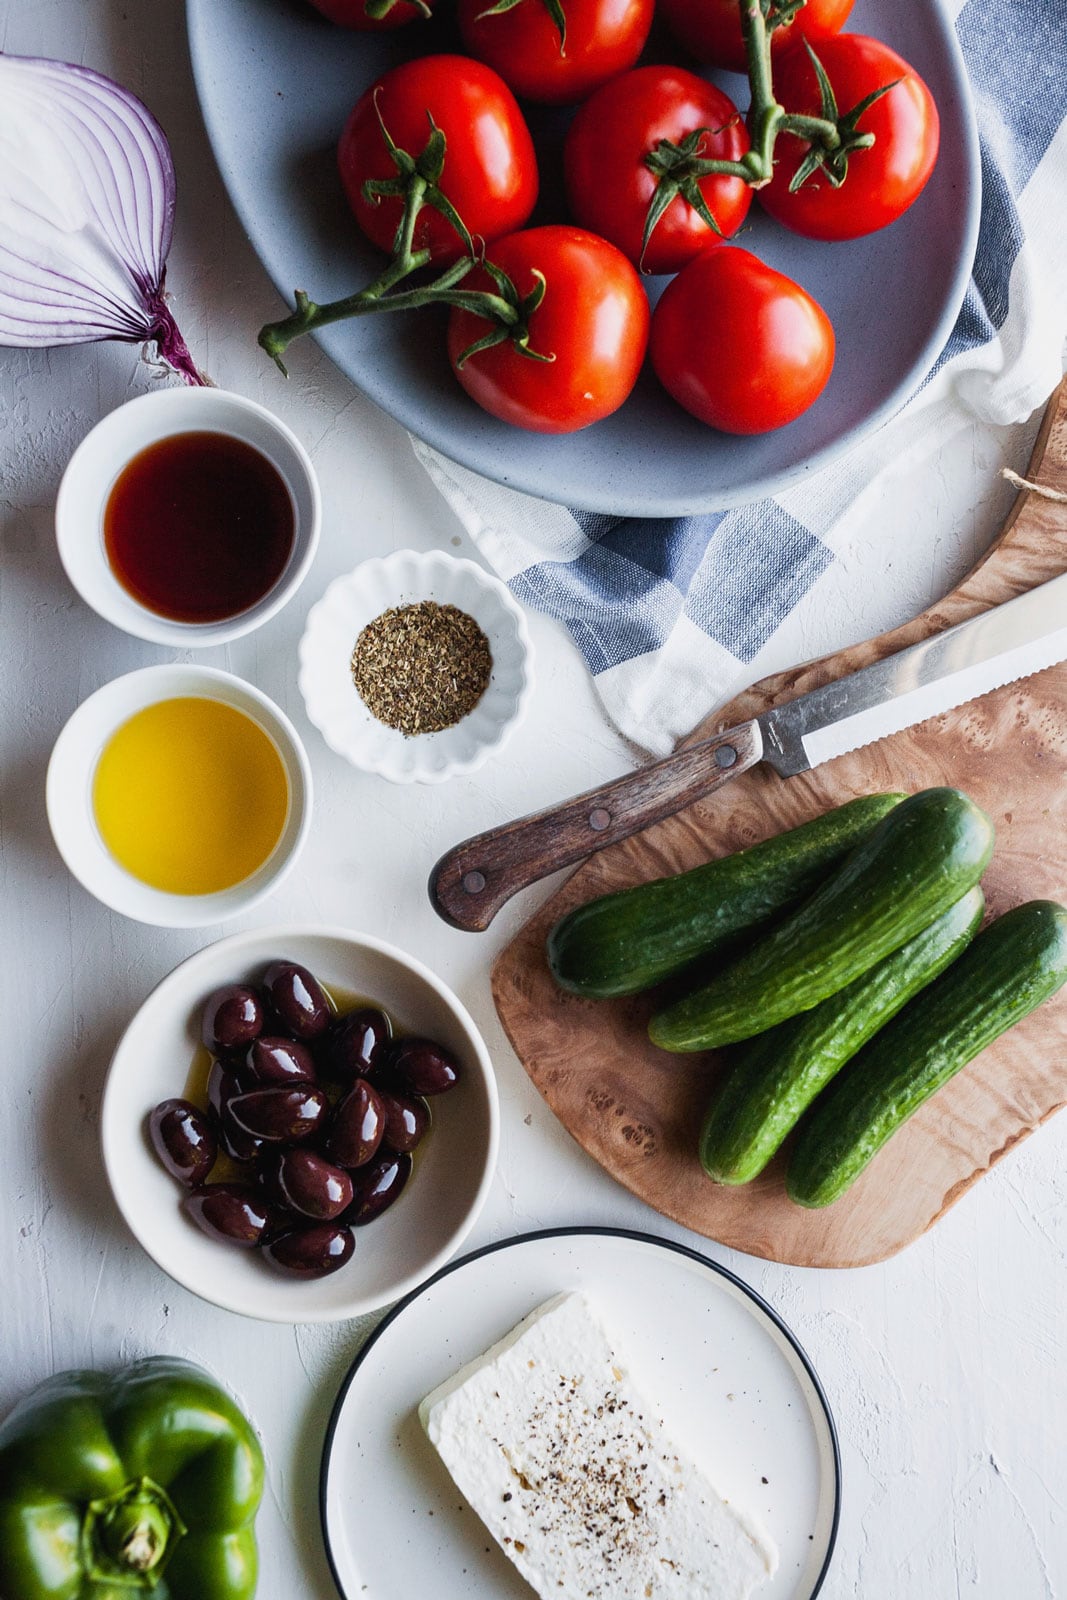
(421, 668)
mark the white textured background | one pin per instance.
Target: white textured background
(944, 1366)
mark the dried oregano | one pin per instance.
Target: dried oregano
(421, 668)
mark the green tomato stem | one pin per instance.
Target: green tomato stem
(378, 9)
(757, 37)
(444, 290)
(400, 265)
(816, 130)
(765, 114)
(418, 182)
(767, 117)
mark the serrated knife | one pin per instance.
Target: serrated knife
(1025, 635)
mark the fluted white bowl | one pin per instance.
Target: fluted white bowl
(334, 704)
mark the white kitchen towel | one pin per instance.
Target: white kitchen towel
(668, 613)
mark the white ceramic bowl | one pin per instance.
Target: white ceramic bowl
(453, 1168)
(102, 455)
(69, 801)
(335, 707)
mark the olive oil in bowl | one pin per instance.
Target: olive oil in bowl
(190, 796)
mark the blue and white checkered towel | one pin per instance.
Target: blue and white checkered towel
(669, 624)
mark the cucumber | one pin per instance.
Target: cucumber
(1012, 966)
(622, 943)
(919, 860)
(775, 1077)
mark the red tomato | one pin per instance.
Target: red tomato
(711, 29)
(739, 345)
(604, 38)
(353, 14)
(490, 170)
(609, 186)
(883, 181)
(592, 322)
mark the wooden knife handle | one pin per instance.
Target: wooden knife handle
(469, 884)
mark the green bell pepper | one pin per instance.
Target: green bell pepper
(149, 1480)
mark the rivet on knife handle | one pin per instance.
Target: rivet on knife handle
(469, 884)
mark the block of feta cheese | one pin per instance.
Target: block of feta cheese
(576, 1477)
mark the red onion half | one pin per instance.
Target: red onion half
(86, 212)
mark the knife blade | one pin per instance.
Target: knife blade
(471, 882)
(1010, 641)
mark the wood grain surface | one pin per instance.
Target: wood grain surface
(637, 1110)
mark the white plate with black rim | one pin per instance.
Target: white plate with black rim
(729, 1379)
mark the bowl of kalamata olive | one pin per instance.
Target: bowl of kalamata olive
(300, 1124)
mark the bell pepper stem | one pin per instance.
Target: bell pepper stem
(136, 1535)
(128, 1537)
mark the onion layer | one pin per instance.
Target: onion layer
(86, 212)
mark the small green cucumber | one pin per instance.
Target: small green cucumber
(775, 1077)
(919, 860)
(625, 942)
(1012, 966)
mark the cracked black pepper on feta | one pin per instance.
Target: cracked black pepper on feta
(578, 1480)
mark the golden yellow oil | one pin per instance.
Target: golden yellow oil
(225, 1170)
(190, 795)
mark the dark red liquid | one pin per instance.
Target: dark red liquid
(199, 527)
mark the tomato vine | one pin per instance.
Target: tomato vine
(831, 136)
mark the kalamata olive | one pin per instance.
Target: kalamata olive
(422, 1066)
(233, 1017)
(280, 1115)
(357, 1126)
(222, 1085)
(271, 1060)
(406, 1120)
(184, 1140)
(355, 1044)
(232, 1212)
(311, 1252)
(238, 1143)
(297, 999)
(303, 1181)
(376, 1187)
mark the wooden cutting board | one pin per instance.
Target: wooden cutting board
(637, 1110)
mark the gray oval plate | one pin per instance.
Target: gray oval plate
(276, 83)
